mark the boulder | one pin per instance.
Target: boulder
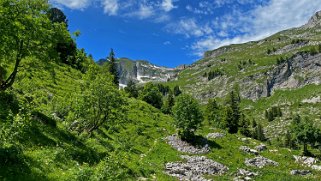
(215, 135)
(247, 149)
(260, 162)
(308, 161)
(261, 147)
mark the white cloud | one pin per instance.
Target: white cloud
(167, 5)
(72, 4)
(144, 11)
(111, 7)
(189, 28)
(167, 43)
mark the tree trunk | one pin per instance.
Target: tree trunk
(4, 85)
(305, 149)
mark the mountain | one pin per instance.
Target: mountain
(287, 60)
(141, 71)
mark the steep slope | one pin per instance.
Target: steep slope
(287, 60)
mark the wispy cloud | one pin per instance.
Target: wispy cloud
(168, 5)
(189, 28)
(111, 7)
(72, 4)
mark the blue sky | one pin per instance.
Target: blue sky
(175, 32)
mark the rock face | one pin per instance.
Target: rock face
(186, 147)
(194, 168)
(143, 71)
(314, 21)
(260, 162)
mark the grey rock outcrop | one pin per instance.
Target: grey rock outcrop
(194, 168)
(314, 21)
(186, 147)
(243, 175)
(260, 162)
(308, 161)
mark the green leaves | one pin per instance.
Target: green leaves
(187, 114)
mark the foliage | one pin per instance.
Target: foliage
(131, 89)
(232, 112)
(168, 103)
(113, 67)
(177, 91)
(57, 16)
(26, 31)
(151, 95)
(271, 114)
(213, 113)
(304, 132)
(187, 114)
(99, 102)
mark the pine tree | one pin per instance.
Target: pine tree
(177, 91)
(213, 113)
(113, 67)
(260, 133)
(131, 89)
(168, 103)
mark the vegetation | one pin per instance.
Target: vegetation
(187, 115)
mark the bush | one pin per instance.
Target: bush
(188, 115)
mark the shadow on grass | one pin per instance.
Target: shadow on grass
(15, 166)
(200, 141)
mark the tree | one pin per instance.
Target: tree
(304, 132)
(113, 67)
(244, 126)
(25, 30)
(168, 103)
(131, 89)
(232, 112)
(177, 91)
(151, 95)
(213, 113)
(259, 133)
(188, 115)
(57, 16)
(100, 102)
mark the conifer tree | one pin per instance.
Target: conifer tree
(113, 67)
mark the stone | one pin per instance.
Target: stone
(300, 172)
(194, 168)
(186, 147)
(316, 167)
(309, 161)
(260, 162)
(215, 135)
(261, 147)
(247, 149)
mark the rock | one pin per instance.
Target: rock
(186, 147)
(194, 168)
(260, 162)
(261, 147)
(243, 172)
(215, 135)
(300, 172)
(247, 149)
(309, 161)
(316, 167)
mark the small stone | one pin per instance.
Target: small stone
(247, 149)
(261, 147)
(215, 135)
(186, 147)
(300, 172)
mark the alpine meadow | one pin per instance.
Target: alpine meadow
(248, 110)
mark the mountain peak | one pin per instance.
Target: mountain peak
(314, 21)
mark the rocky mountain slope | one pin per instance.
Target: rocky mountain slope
(141, 71)
(289, 59)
